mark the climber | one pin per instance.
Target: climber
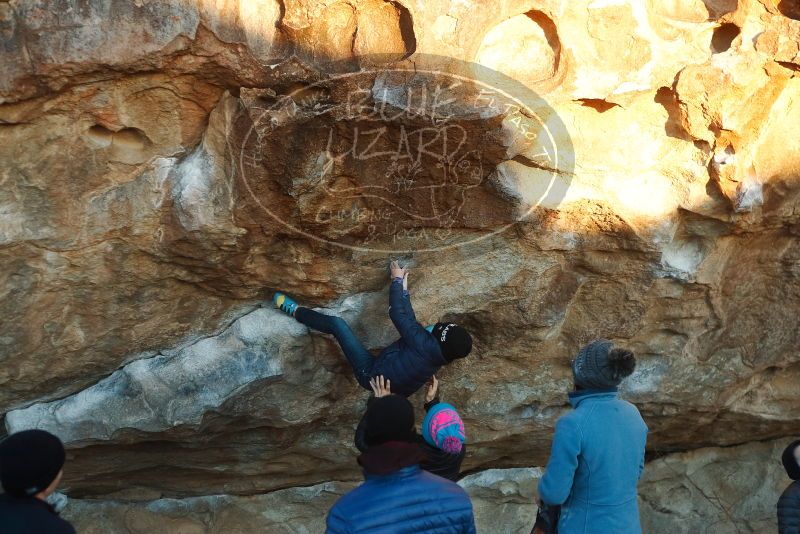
(31, 466)
(397, 495)
(598, 449)
(443, 435)
(410, 361)
(789, 502)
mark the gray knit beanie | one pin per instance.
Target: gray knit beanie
(600, 366)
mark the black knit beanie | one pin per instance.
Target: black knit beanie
(600, 366)
(790, 462)
(29, 462)
(389, 418)
(454, 340)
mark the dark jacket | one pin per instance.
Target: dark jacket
(789, 510)
(442, 463)
(434, 460)
(29, 515)
(406, 499)
(413, 359)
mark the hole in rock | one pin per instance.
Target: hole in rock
(130, 139)
(99, 135)
(723, 37)
(126, 145)
(790, 8)
(525, 47)
(598, 104)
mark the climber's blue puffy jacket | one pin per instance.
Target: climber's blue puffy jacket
(408, 500)
(410, 361)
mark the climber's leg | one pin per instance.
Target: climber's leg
(359, 357)
(284, 303)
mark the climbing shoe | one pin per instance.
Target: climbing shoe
(284, 303)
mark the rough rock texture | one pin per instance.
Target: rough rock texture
(289, 511)
(570, 170)
(714, 490)
(499, 496)
(705, 491)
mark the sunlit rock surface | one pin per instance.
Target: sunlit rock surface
(168, 165)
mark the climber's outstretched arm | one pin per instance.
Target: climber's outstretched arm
(402, 314)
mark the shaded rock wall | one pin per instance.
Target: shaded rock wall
(704, 491)
(500, 496)
(169, 164)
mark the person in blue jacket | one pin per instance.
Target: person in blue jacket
(598, 449)
(409, 362)
(397, 495)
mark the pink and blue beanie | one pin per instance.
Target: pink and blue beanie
(443, 428)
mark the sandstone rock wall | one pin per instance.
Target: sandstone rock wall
(166, 167)
(705, 491)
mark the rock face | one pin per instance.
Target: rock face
(553, 171)
(702, 491)
(500, 496)
(714, 490)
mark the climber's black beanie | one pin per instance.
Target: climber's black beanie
(790, 462)
(454, 340)
(29, 462)
(389, 418)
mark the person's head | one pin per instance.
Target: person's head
(791, 460)
(443, 428)
(389, 418)
(599, 365)
(31, 463)
(454, 340)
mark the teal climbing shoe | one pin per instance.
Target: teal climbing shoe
(284, 303)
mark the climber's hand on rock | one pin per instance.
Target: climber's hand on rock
(396, 270)
(380, 386)
(433, 389)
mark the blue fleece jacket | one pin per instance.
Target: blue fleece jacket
(595, 463)
(410, 361)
